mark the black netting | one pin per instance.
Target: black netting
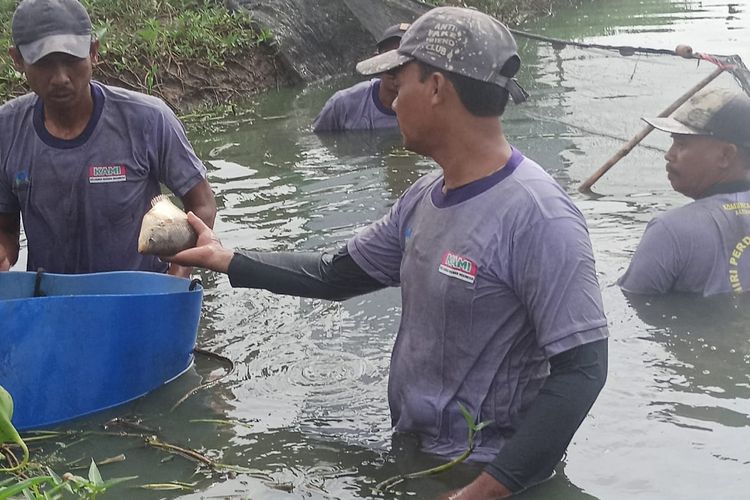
(327, 37)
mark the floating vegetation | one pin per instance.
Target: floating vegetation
(170, 486)
(37, 482)
(474, 428)
(217, 421)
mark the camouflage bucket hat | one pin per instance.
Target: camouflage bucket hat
(720, 113)
(459, 40)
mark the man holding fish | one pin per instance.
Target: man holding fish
(501, 308)
(81, 161)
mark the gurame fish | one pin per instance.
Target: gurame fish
(165, 229)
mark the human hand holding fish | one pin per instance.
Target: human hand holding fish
(208, 252)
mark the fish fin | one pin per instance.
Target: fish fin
(161, 197)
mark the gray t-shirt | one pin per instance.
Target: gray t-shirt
(355, 108)
(496, 277)
(82, 200)
(698, 248)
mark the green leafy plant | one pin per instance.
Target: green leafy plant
(45, 486)
(8, 433)
(474, 428)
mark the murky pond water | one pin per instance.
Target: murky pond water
(308, 396)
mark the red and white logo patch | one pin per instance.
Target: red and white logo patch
(456, 266)
(108, 173)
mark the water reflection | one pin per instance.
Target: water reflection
(708, 341)
(310, 377)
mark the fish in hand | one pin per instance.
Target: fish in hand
(165, 229)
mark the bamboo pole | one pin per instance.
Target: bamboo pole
(585, 187)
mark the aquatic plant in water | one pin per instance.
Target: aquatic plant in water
(474, 428)
(45, 486)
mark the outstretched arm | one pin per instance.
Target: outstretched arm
(303, 274)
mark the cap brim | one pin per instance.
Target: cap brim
(75, 45)
(672, 126)
(383, 62)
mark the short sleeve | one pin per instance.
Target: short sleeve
(377, 248)
(179, 168)
(554, 276)
(655, 265)
(329, 117)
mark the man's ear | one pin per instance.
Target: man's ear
(440, 85)
(729, 154)
(17, 58)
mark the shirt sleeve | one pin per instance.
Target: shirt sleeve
(329, 119)
(178, 167)
(377, 248)
(554, 275)
(655, 265)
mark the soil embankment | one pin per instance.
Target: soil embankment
(310, 40)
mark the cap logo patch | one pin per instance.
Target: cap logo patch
(456, 266)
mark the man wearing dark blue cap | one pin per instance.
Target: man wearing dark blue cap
(81, 161)
(501, 308)
(366, 105)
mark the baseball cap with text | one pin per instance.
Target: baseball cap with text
(720, 113)
(41, 27)
(455, 39)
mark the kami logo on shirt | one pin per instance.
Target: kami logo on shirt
(108, 173)
(456, 266)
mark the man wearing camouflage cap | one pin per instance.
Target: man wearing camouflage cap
(501, 309)
(701, 247)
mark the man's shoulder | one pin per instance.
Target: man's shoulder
(533, 191)
(357, 91)
(122, 97)
(17, 105)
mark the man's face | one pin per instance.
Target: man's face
(388, 79)
(59, 79)
(693, 164)
(412, 106)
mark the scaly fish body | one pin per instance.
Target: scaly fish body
(165, 229)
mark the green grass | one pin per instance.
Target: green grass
(143, 40)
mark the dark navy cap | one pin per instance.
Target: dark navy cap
(41, 27)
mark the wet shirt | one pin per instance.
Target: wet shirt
(496, 277)
(698, 248)
(355, 108)
(82, 200)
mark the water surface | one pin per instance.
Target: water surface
(673, 420)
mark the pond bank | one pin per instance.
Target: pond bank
(304, 41)
(204, 53)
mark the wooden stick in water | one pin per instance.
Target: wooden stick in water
(681, 50)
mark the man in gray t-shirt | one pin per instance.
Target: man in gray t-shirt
(366, 105)
(700, 248)
(501, 308)
(80, 161)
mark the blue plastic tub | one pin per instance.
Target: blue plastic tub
(89, 342)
